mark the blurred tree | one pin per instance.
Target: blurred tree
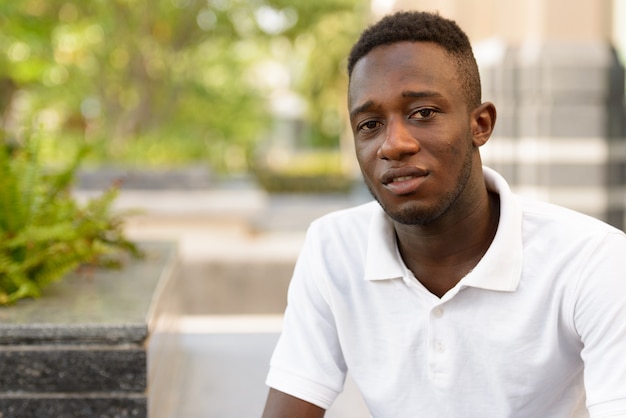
(156, 81)
(321, 40)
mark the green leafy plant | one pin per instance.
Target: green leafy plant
(44, 231)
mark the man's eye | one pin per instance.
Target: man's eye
(423, 114)
(369, 125)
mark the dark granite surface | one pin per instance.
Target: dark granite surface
(68, 406)
(104, 306)
(73, 369)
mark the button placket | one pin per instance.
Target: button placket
(437, 363)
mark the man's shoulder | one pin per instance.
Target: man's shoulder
(340, 239)
(349, 217)
(345, 225)
(558, 218)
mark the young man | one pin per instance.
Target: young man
(449, 296)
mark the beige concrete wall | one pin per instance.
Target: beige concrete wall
(516, 21)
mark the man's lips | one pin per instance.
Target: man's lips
(403, 173)
(403, 180)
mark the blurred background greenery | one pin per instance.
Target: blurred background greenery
(236, 85)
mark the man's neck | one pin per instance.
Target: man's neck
(441, 254)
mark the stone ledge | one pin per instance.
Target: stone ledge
(91, 304)
(86, 368)
(81, 349)
(70, 406)
(72, 334)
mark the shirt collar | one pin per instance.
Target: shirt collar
(500, 268)
(382, 260)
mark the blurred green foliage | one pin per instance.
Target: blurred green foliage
(44, 231)
(167, 82)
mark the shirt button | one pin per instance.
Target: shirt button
(439, 347)
(438, 312)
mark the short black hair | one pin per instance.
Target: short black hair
(415, 26)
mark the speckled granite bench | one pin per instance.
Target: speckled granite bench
(82, 349)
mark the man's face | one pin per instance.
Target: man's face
(411, 128)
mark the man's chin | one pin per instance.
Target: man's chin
(411, 214)
(414, 217)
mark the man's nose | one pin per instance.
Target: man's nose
(399, 142)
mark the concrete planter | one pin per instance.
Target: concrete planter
(102, 345)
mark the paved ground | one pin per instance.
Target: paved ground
(237, 247)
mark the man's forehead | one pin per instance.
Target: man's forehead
(413, 48)
(402, 61)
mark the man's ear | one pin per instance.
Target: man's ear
(483, 120)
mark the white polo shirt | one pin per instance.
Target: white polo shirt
(536, 330)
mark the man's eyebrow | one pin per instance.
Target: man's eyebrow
(421, 94)
(361, 108)
(406, 94)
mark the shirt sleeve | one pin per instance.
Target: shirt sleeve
(307, 362)
(600, 320)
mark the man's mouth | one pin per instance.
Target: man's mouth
(402, 174)
(405, 180)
